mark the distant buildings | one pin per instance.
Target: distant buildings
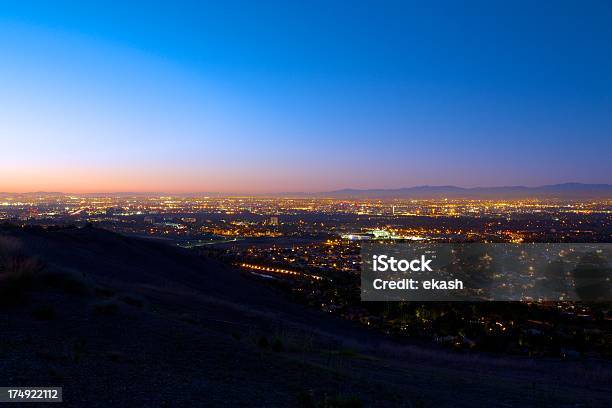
(378, 235)
(370, 235)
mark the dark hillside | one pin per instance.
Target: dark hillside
(120, 321)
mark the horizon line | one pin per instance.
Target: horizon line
(289, 193)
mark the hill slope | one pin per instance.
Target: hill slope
(120, 321)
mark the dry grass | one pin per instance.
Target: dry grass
(20, 273)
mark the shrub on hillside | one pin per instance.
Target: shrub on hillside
(20, 273)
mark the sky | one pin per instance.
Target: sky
(256, 97)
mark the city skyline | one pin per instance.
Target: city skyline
(278, 97)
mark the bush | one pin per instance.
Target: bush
(18, 272)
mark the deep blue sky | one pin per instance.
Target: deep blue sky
(255, 96)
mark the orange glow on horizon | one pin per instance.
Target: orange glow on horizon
(93, 180)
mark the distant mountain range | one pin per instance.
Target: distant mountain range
(566, 190)
(562, 191)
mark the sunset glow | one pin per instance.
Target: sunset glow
(258, 99)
